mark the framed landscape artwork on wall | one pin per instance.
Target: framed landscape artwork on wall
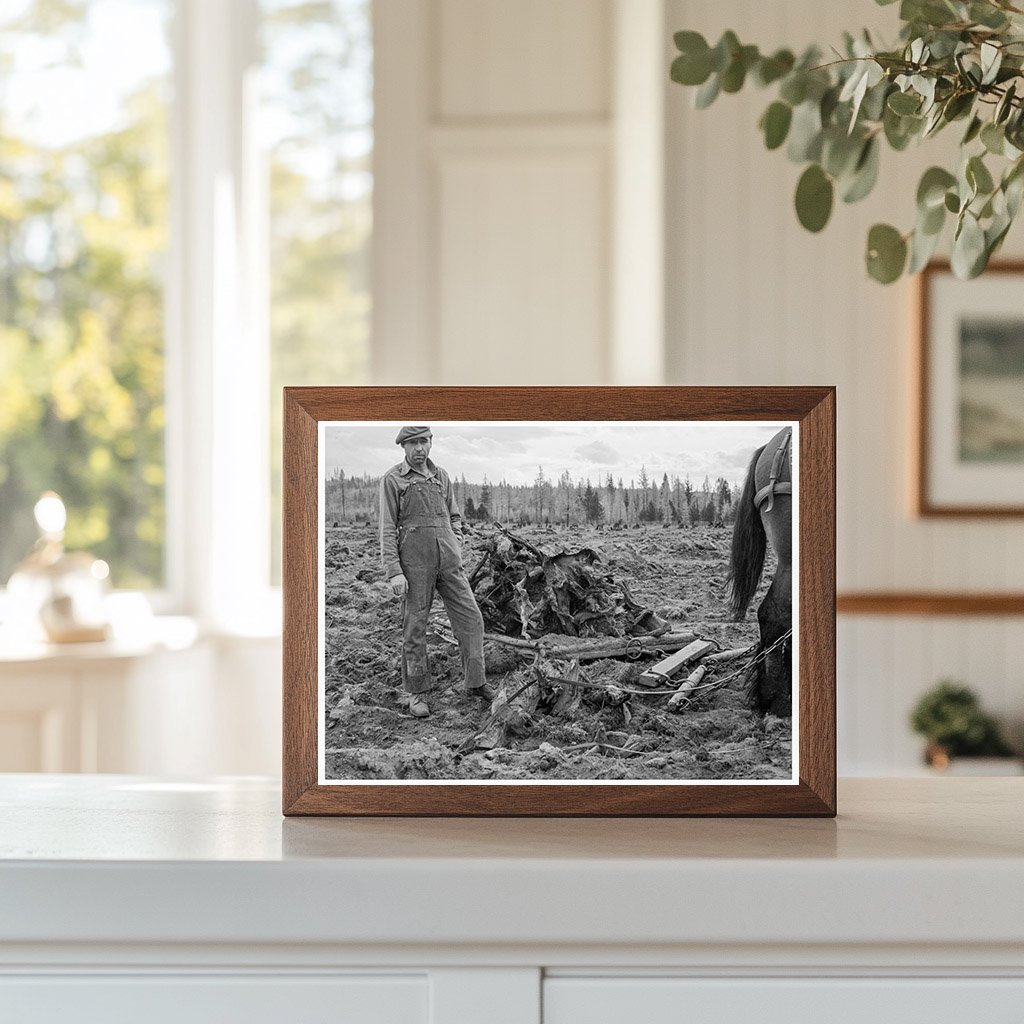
(559, 601)
(970, 450)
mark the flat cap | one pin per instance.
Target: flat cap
(412, 434)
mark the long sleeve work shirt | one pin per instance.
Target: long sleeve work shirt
(392, 485)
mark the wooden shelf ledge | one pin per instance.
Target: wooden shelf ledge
(928, 603)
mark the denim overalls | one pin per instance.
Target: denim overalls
(432, 560)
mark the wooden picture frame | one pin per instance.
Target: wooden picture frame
(811, 791)
(955, 474)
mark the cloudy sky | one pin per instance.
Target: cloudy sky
(513, 451)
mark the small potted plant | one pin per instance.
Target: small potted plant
(950, 717)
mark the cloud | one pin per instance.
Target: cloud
(599, 452)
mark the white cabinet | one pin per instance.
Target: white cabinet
(823, 1000)
(141, 899)
(202, 999)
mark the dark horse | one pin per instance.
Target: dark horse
(765, 512)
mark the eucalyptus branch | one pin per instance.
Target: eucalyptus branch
(833, 117)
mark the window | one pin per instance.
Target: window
(185, 221)
(83, 237)
(317, 117)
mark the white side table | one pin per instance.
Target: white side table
(96, 707)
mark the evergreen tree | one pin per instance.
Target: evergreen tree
(539, 484)
(592, 507)
(723, 493)
(644, 484)
(565, 497)
(484, 505)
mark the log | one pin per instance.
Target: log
(686, 688)
(659, 673)
(587, 648)
(591, 649)
(720, 656)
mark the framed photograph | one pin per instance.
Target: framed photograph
(559, 601)
(970, 450)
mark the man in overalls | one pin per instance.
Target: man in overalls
(420, 529)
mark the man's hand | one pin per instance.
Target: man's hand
(399, 585)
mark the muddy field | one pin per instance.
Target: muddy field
(546, 732)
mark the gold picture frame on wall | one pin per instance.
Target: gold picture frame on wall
(346, 714)
(970, 387)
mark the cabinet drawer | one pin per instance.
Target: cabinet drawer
(667, 1000)
(222, 999)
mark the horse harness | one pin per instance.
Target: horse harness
(764, 499)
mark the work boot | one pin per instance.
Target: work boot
(485, 691)
(418, 707)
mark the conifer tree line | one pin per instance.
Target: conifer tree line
(643, 500)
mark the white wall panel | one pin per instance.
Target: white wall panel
(522, 285)
(494, 205)
(527, 58)
(752, 298)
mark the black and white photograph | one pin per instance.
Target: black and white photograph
(558, 601)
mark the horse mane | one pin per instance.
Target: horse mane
(749, 543)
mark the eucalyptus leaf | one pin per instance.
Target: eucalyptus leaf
(978, 176)
(968, 247)
(933, 122)
(840, 152)
(993, 138)
(707, 93)
(865, 173)
(922, 248)
(691, 68)
(972, 132)
(1013, 191)
(814, 194)
(1013, 187)
(886, 253)
(828, 104)
(995, 233)
(931, 190)
(794, 88)
(930, 12)
(952, 202)
(1005, 105)
(725, 50)
(775, 124)
(987, 15)
(991, 60)
(771, 69)
(735, 74)
(805, 133)
(873, 106)
(932, 221)
(900, 130)
(903, 103)
(958, 105)
(943, 44)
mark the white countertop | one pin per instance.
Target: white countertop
(122, 859)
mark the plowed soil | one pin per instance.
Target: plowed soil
(575, 733)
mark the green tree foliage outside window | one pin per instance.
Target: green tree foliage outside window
(83, 230)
